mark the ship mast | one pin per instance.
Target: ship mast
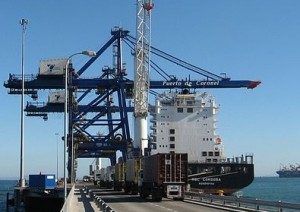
(142, 72)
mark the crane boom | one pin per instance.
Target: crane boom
(142, 72)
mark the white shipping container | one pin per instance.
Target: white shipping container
(52, 67)
(110, 171)
(103, 174)
(56, 97)
(132, 170)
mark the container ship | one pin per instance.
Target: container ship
(185, 122)
(291, 171)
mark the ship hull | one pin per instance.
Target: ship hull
(288, 174)
(216, 178)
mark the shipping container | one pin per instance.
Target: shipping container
(42, 181)
(132, 170)
(109, 176)
(57, 97)
(54, 67)
(119, 177)
(97, 176)
(102, 177)
(163, 175)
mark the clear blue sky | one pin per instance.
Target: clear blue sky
(247, 39)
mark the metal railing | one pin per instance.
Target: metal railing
(242, 202)
(100, 203)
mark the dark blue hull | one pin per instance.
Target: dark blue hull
(216, 178)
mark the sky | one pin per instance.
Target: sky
(247, 40)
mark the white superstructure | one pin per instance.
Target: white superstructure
(186, 123)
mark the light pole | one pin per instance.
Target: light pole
(90, 54)
(56, 156)
(72, 156)
(23, 22)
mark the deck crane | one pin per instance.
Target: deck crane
(142, 72)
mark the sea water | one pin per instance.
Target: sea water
(274, 189)
(6, 186)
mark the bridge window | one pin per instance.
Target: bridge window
(172, 146)
(189, 103)
(172, 138)
(210, 154)
(172, 131)
(180, 110)
(153, 145)
(204, 154)
(190, 110)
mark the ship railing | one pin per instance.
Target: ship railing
(153, 134)
(153, 127)
(18, 77)
(36, 104)
(152, 120)
(247, 159)
(241, 203)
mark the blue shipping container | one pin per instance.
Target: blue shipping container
(42, 181)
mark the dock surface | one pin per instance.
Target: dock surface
(82, 201)
(121, 202)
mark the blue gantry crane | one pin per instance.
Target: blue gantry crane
(99, 108)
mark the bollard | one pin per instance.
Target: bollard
(102, 206)
(280, 208)
(7, 200)
(237, 202)
(98, 202)
(257, 206)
